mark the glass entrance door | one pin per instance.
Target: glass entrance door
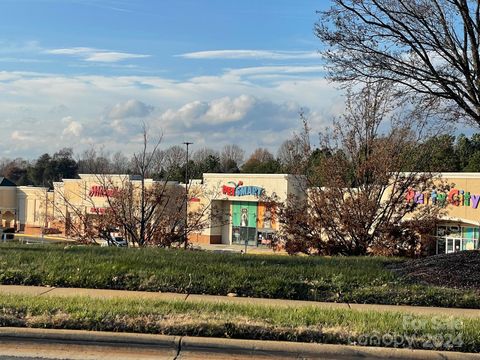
(244, 223)
(242, 235)
(457, 245)
(453, 245)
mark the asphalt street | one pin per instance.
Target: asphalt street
(21, 343)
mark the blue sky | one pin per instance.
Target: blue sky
(85, 73)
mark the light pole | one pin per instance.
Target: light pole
(187, 144)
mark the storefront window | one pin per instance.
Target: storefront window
(449, 246)
(264, 238)
(441, 246)
(254, 223)
(454, 238)
(468, 244)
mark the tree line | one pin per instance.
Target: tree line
(447, 153)
(167, 164)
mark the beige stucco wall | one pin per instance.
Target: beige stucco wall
(31, 202)
(78, 192)
(34, 206)
(468, 182)
(274, 184)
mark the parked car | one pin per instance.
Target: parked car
(115, 239)
(7, 237)
(7, 234)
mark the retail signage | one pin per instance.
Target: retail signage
(240, 190)
(454, 197)
(98, 211)
(101, 191)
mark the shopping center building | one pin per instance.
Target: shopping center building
(243, 199)
(240, 198)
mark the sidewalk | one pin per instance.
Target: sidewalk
(236, 248)
(109, 294)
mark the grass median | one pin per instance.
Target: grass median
(306, 324)
(333, 279)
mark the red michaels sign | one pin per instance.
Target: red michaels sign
(101, 191)
(98, 211)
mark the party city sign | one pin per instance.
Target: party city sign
(454, 197)
(240, 190)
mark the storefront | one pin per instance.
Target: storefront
(38, 210)
(245, 200)
(453, 238)
(459, 227)
(254, 223)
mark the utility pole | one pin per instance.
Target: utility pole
(187, 144)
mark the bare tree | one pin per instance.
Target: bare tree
(231, 157)
(202, 154)
(429, 48)
(174, 157)
(362, 207)
(146, 212)
(143, 163)
(291, 152)
(120, 164)
(94, 161)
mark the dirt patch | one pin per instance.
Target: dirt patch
(457, 270)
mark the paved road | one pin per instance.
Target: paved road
(67, 344)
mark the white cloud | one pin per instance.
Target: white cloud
(251, 54)
(217, 111)
(18, 135)
(80, 51)
(276, 70)
(112, 56)
(186, 113)
(231, 107)
(226, 109)
(74, 129)
(96, 55)
(118, 126)
(130, 108)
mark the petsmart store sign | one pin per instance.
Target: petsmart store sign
(240, 190)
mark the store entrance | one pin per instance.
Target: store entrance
(244, 223)
(242, 235)
(453, 245)
(454, 238)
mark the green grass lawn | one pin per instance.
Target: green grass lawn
(306, 324)
(335, 279)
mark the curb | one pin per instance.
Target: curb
(83, 336)
(216, 348)
(209, 346)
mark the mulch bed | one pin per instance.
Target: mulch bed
(457, 270)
